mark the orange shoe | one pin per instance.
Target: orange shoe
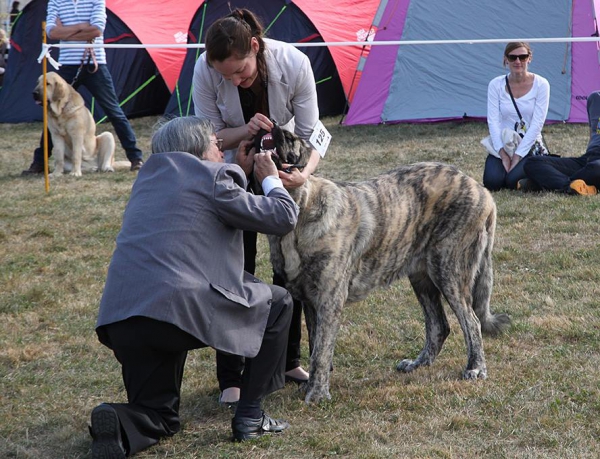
(582, 188)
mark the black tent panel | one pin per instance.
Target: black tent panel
(130, 69)
(284, 21)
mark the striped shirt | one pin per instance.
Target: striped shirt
(72, 12)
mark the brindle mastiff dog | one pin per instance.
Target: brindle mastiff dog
(427, 221)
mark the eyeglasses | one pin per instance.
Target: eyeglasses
(514, 57)
(218, 143)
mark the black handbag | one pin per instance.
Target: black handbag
(538, 148)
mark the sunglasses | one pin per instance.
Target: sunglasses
(218, 143)
(514, 57)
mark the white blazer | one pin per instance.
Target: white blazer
(291, 91)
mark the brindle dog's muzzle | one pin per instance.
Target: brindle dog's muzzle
(267, 144)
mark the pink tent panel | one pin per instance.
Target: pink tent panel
(157, 22)
(342, 21)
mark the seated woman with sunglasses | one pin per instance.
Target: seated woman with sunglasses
(526, 115)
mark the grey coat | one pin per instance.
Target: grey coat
(179, 255)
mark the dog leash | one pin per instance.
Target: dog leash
(90, 55)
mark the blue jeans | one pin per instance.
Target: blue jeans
(495, 176)
(100, 85)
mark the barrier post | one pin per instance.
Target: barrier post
(45, 105)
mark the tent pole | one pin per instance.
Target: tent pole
(595, 34)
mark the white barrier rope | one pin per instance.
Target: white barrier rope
(348, 43)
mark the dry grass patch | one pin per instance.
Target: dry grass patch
(541, 399)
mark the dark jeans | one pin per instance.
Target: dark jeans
(100, 85)
(495, 176)
(152, 355)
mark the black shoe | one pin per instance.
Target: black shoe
(34, 169)
(527, 185)
(106, 432)
(249, 428)
(136, 164)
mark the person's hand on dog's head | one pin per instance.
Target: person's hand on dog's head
(245, 156)
(258, 122)
(264, 166)
(292, 179)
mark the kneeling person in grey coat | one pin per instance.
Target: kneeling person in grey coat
(176, 282)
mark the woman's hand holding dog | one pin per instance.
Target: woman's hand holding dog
(258, 122)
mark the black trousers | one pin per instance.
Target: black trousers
(152, 355)
(556, 174)
(230, 367)
(552, 173)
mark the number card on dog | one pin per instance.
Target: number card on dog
(320, 138)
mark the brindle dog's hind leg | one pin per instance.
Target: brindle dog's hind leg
(455, 280)
(437, 328)
(310, 316)
(491, 324)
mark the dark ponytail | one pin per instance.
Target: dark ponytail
(232, 36)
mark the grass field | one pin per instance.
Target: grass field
(541, 398)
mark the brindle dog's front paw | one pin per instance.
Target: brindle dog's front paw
(476, 373)
(315, 394)
(407, 365)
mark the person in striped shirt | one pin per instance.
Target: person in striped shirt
(83, 21)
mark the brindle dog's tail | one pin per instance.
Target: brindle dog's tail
(491, 324)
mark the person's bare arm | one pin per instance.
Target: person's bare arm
(514, 161)
(234, 135)
(83, 31)
(506, 161)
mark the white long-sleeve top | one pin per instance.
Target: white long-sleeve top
(501, 112)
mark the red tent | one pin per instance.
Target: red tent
(145, 77)
(159, 22)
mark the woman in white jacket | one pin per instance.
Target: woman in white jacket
(241, 83)
(503, 169)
